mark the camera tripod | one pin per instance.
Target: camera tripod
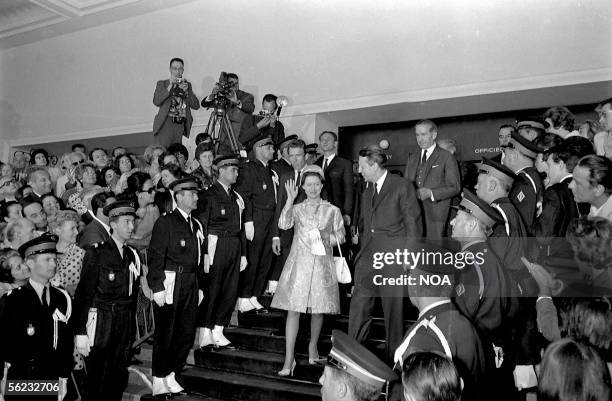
(220, 125)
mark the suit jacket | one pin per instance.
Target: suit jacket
(441, 176)
(395, 213)
(282, 199)
(161, 99)
(93, 233)
(256, 186)
(281, 166)
(26, 338)
(339, 183)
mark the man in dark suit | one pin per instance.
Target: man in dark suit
(436, 175)
(338, 175)
(98, 230)
(175, 99)
(266, 124)
(389, 211)
(282, 165)
(36, 338)
(504, 134)
(282, 239)
(241, 105)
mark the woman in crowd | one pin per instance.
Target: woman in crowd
(141, 192)
(85, 175)
(151, 157)
(126, 165)
(308, 283)
(169, 174)
(13, 271)
(51, 205)
(428, 376)
(40, 157)
(70, 257)
(110, 175)
(205, 155)
(6, 170)
(10, 211)
(573, 371)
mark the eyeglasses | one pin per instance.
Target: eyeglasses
(8, 183)
(149, 191)
(76, 163)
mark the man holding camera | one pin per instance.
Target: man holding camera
(240, 105)
(175, 99)
(266, 124)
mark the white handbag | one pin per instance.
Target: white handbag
(343, 274)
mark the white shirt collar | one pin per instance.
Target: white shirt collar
(595, 211)
(38, 287)
(381, 181)
(431, 306)
(106, 226)
(182, 212)
(330, 158)
(429, 150)
(227, 189)
(469, 244)
(119, 245)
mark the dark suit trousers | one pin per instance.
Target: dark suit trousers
(286, 239)
(362, 306)
(107, 363)
(175, 327)
(220, 298)
(259, 255)
(169, 133)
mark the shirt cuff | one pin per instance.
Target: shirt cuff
(544, 297)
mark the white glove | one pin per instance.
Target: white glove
(206, 264)
(160, 298)
(82, 344)
(249, 230)
(63, 388)
(243, 263)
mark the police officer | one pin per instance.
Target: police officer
(35, 338)
(220, 211)
(527, 190)
(282, 165)
(353, 373)
(442, 328)
(105, 306)
(257, 186)
(175, 255)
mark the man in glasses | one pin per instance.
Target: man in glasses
(353, 373)
(8, 187)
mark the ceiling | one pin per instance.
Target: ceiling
(27, 21)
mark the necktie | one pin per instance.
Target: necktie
(126, 255)
(299, 178)
(190, 223)
(44, 297)
(424, 158)
(325, 164)
(375, 194)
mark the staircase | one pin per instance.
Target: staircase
(249, 373)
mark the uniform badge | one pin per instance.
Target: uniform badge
(222, 212)
(111, 276)
(183, 243)
(520, 196)
(31, 330)
(460, 289)
(264, 186)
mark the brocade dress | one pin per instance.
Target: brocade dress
(308, 283)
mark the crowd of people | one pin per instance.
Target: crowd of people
(86, 240)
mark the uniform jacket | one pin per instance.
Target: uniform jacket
(508, 238)
(161, 99)
(281, 166)
(105, 280)
(256, 184)
(93, 233)
(339, 183)
(26, 337)
(527, 195)
(173, 247)
(441, 176)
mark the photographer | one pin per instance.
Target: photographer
(239, 105)
(266, 124)
(175, 99)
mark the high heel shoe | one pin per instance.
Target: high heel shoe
(288, 372)
(316, 361)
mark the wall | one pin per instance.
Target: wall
(323, 55)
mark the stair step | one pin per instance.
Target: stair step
(254, 362)
(243, 387)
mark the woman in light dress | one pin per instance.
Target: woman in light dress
(308, 283)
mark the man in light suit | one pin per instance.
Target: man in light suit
(436, 175)
(175, 99)
(390, 214)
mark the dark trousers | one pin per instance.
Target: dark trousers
(286, 238)
(222, 292)
(107, 363)
(175, 327)
(169, 133)
(259, 255)
(362, 306)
